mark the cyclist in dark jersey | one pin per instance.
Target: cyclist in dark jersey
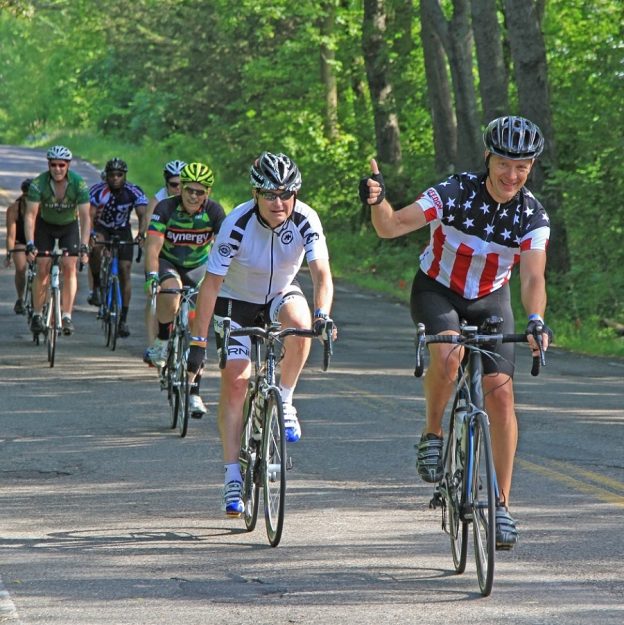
(57, 207)
(112, 203)
(481, 226)
(16, 240)
(171, 175)
(179, 237)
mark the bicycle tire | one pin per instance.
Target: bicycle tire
(452, 490)
(172, 381)
(114, 312)
(182, 386)
(483, 501)
(52, 323)
(274, 466)
(248, 460)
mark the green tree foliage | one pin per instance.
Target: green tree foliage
(225, 80)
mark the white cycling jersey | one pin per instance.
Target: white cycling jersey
(161, 194)
(259, 262)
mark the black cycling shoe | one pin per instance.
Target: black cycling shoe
(36, 324)
(506, 531)
(429, 458)
(94, 298)
(123, 329)
(19, 309)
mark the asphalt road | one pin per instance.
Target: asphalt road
(108, 517)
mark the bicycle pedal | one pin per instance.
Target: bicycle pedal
(436, 501)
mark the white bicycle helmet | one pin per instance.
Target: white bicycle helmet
(173, 168)
(59, 152)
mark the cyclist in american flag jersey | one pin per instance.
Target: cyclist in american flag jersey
(481, 225)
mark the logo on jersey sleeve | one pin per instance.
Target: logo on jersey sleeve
(225, 250)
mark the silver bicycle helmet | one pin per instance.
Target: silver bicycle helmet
(514, 137)
(59, 152)
(275, 171)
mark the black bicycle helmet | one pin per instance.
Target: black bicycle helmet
(116, 164)
(513, 137)
(275, 171)
(26, 185)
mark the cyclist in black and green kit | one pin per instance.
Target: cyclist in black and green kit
(57, 207)
(180, 233)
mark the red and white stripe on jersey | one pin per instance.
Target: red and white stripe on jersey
(471, 264)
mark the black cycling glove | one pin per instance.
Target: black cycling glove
(537, 326)
(364, 189)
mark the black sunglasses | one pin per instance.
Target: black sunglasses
(271, 197)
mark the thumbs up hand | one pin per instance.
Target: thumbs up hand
(372, 189)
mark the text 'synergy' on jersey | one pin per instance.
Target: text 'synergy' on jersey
(258, 262)
(187, 237)
(113, 209)
(475, 241)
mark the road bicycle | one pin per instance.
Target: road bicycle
(173, 376)
(468, 492)
(51, 314)
(263, 457)
(109, 311)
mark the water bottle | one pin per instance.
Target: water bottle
(460, 424)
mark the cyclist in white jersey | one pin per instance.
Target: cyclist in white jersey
(251, 279)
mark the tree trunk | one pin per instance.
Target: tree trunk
(456, 39)
(328, 74)
(531, 73)
(493, 74)
(469, 144)
(376, 59)
(438, 88)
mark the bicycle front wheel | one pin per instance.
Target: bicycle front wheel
(451, 488)
(248, 460)
(181, 386)
(52, 322)
(114, 312)
(274, 466)
(483, 499)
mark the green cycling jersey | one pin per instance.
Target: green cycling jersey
(55, 211)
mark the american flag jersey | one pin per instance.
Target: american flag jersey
(475, 241)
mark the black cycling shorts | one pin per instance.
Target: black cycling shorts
(45, 233)
(440, 309)
(125, 234)
(187, 276)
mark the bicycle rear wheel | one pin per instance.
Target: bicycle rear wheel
(274, 466)
(483, 497)
(247, 458)
(451, 488)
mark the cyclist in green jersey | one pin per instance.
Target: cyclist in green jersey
(179, 238)
(57, 207)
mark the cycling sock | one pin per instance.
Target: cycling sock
(195, 386)
(287, 394)
(163, 331)
(232, 473)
